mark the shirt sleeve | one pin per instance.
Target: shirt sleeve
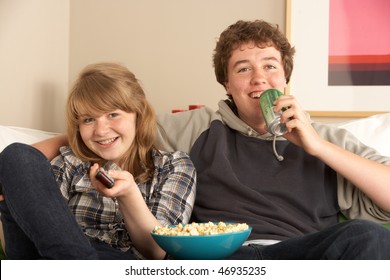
(353, 203)
(172, 194)
(65, 168)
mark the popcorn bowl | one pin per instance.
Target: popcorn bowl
(202, 247)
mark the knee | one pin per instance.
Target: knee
(369, 231)
(16, 157)
(367, 228)
(366, 240)
(17, 153)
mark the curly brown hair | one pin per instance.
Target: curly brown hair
(262, 33)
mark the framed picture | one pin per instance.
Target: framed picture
(342, 60)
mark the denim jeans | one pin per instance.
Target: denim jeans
(37, 222)
(350, 240)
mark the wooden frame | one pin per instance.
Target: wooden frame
(368, 103)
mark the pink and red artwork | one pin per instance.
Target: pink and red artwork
(359, 42)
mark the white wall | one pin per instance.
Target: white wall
(34, 56)
(167, 44)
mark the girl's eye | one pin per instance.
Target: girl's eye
(87, 120)
(113, 115)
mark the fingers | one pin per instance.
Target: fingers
(93, 169)
(294, 124)
(122, 182)
(291, 109)
(296, 120)
(99, 186)
(92, 174)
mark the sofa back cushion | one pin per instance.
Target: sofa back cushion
(373, 131)
(10, 134)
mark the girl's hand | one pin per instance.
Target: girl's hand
(124, 182)
(138, 219)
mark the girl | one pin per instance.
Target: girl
(109, 121)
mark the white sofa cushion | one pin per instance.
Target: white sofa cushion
(373, 131)
(10, 134)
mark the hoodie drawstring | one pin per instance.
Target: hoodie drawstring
(278, 157)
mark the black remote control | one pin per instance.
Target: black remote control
(104, 178)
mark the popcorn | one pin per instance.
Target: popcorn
(195, 229)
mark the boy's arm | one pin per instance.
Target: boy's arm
(51, 146)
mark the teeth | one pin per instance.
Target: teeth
(105, 142)
(255, 94)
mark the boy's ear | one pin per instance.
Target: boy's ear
(226, 86)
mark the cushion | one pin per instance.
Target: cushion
(373, 131)
(10, 134)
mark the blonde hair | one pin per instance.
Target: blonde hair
(105, 87)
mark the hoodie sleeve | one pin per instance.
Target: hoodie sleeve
(353, 203)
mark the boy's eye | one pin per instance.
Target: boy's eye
(270, 67)
(243, 69)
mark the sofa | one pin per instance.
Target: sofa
(373, 131)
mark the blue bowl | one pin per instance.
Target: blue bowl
(202, 247)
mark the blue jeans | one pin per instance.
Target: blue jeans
(37, 222)
(350, 240)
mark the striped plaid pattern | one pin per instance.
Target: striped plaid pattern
(169, 195)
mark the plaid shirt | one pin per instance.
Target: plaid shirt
(169, 195)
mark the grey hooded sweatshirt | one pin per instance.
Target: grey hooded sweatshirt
(241, 177)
